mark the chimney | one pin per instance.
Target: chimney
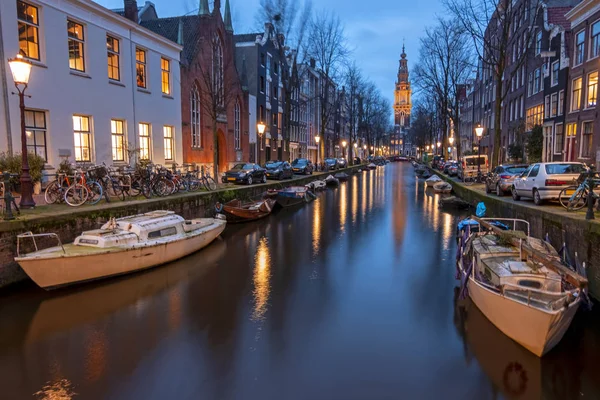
(313, 63)
(131, 10)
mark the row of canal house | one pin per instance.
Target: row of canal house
(117, 86)
(554, 87)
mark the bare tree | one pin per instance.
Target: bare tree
(326, 44)
(354, 85)
(218, 90)
(495, 27)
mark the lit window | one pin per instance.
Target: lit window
(587, 137)
(140, 67)
(35, 130)
(165, 68)
(168, 142)
(195, 117)
(82, 138)
(579, 47)
(576, 95)
(76, 41)
(534, 116)
(28, 28)
(113, 50)
(144, 132)
(592, 90)
(118, 140)
(236, 127)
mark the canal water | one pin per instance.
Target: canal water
(350, 297)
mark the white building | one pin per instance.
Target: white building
(103, 89)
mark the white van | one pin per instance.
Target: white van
(468, 166)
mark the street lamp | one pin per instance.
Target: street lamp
(318, 139)
(261, 131)
(344, 144)
(479, 132)
(21, 69)
(451, 140)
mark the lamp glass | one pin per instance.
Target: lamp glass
(261, 128)
(364, 146)
(317, 139)
(21, 69)
(355, 145)
(451, 140)
(479, 131)
(344, 143)
(439, 144)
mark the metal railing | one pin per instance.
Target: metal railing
(32, 236)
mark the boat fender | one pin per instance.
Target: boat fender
(218, 207)
(515, 387)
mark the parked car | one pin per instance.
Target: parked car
(342, 163)
(278, 170)
(435, 162)
(469, 164)
(331, 164)
(544, 181)
(500, 180)
(245, 173)
(453, 169)
(302, 166)
(448, 165)
(357, 161)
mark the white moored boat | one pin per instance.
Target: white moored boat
(433, 180)
(121, 246)
(519, 284)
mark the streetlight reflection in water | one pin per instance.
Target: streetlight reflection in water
(262, 276)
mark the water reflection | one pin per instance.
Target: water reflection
(59, 390)
(262, 275)
(343, 206)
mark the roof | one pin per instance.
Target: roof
(556, 16)
(169, 28)
(246, 37)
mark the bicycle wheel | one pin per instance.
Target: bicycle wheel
(135, 189)
(76, 195)
(146, 189)
(193, 185)
(163, 187)
(565, 195)
(115, 189)
(52, 193)
(578, 200)
(209, 183)
(94, 192)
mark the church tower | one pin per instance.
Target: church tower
(402, 102)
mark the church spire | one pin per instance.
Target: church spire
(227, 19)
(203, 10)
(217, 7)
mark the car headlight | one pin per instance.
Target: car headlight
(243, 173)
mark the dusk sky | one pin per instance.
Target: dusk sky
(375, 29)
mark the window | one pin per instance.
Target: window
(587, 136)
(538, 43)
(140, 67)
(236, 126)
(547, 107)
(144, 132)
(576, 94)
(554, 105)
(118, 140)
(592, 90)
(262, 84)
(112, 48)
(554, 76)
(530, 84)
(579, 47)
(268, 91)
(537, 78)
(76, 41)
(558, 138)
(534, 171)
(217, 70)
(168, 142)
(275, 68)
(82, 138)
(561, 102)
(195, 117)
(275, 92)
(595, 40)
(262, 59)
(165, 71)
(35, 130)
(28, 27)
(535, 116)
(268, 66)
(274, 118)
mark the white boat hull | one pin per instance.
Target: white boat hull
(76, 267)
(536, 330)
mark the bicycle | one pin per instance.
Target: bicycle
(207, 181)
(575, 197)
(55, 191)
(470, 180)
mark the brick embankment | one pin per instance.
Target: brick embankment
(68, 222)
(571, 228)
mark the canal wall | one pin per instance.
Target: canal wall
(562, 227)
(69, 222)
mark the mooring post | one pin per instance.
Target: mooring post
(589, 215)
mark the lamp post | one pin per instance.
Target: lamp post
(344, 144)
(479, 132)
(439, 144)
(261, 130)
(21, 69)
(317, 140)
(355, 149)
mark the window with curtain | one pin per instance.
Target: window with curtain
(165, 73)
(144, 135)
(113, 50)
(592, 90)
(82, 138)
(140, 67)
(76, 41)
(168, 142)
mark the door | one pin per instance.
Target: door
(531, 183)
(570, 142)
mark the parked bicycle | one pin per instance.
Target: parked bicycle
(575, 197)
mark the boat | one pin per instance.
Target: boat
(453, 202)
(332, 181)
(239, 211)
(433, 180)
(120, 246)
(316, 185)
(292, 196)
(341, 176)
(519, 283)
(372, 166)
(442, 187)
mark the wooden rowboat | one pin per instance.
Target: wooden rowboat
(239, 211)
